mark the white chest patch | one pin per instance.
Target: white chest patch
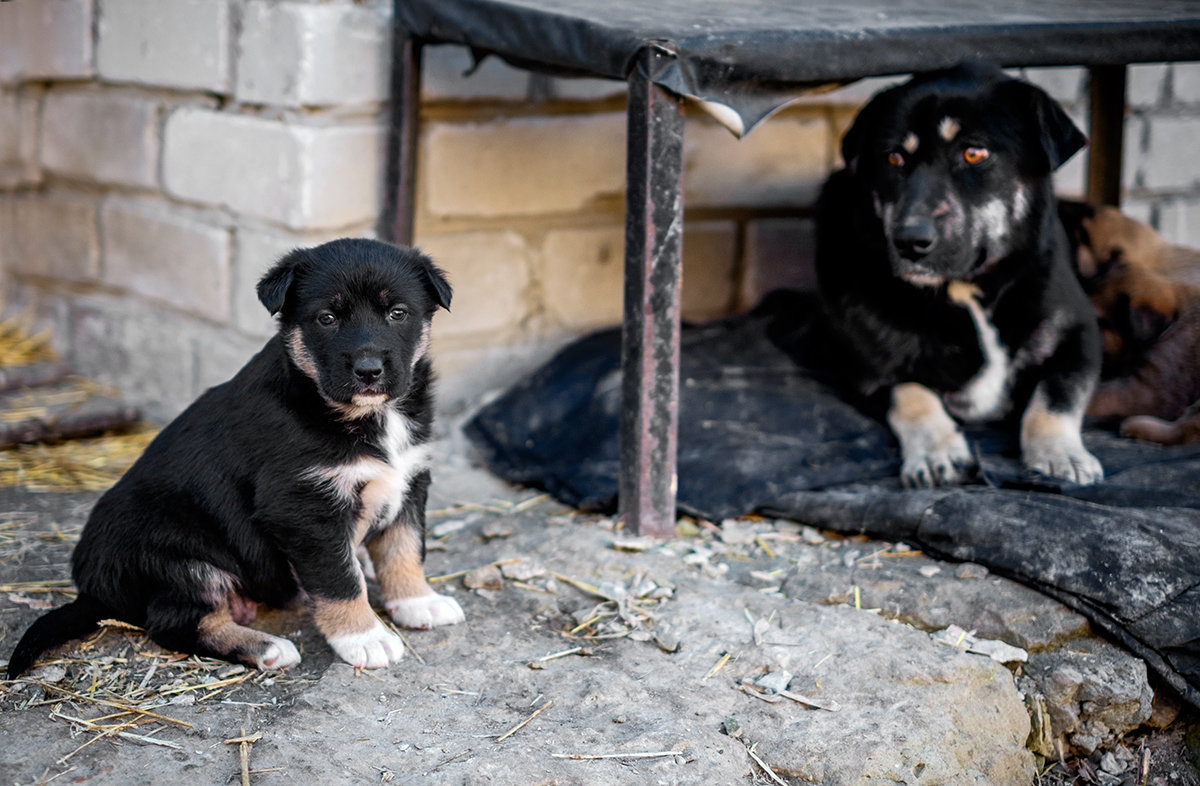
(378, 487)
(986, 395)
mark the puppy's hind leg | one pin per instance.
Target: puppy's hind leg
(212, 631)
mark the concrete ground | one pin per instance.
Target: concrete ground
(753, 652)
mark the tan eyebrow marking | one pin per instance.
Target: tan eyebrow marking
(948, 128)
(911, 142)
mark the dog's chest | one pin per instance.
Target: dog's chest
(986, 394)
(376, 487)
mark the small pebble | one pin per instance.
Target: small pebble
(970, 570)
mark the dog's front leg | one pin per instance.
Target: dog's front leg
(932, 448)
(398, 553)
(331, 576)
(1051, 442)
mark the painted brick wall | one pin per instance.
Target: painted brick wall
(156, 157)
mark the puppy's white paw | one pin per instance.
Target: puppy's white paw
(1066, 459)
(277, 653)
(426, 611)
(373, 649)
(947, 462)
(933, 449)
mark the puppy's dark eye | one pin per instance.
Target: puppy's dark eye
(326, 318)
(974, 155)
(895, 158)
(398, 314)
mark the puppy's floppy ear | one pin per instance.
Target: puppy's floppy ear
(435, 279)
(1057, 135)
(275, 283)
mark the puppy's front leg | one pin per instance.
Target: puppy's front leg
(334, 582)
(932, 448)
(398, 553)
(1051, 442)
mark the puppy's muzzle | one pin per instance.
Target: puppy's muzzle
(914, 239)
(368, 370)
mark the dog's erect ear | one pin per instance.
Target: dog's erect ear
(1057, 134)
(439, 287)
(275, 283)
(856, 137)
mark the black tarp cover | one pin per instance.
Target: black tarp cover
(754, 55)
(758, 432)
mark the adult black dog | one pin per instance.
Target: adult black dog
(264, 488)
(945, 271)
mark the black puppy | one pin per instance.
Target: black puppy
(263, 489)
(945, 270)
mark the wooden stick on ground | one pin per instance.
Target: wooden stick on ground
(520, 725)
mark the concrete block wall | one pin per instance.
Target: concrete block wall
(155, 158)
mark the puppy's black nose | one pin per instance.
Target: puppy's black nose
(368, 370)
(914, 239)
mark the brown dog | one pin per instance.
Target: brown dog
(1146, 292)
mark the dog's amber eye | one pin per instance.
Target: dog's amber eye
(326, 318)
(895, 159)
(398, 314)
(973, 155)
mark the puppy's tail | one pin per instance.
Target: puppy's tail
(72, 621)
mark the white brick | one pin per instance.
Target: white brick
(255, 251)
(583, 273)
(18, 137)
(1179, 221)
(523, 166)
(781, 162)
(490, 274)
(219, 355)
(100, 136)
(152, 251)
(143, 351)
(304, 177)
(1168, 162)
(169, 43)
(46, 39)
(1065, 85)
(313, 55)
(449, 73)
(581, 89)
(1146, 85)
(55, 236)
(1185, 78)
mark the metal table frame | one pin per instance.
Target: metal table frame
(653, 251)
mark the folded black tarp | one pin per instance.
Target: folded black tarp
(760, 430)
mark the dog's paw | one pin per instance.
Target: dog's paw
(426, 611)
(945, 464)
(1070, 462)
(276, 653)
(372, 649)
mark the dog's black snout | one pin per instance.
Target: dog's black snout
(368, 369)
(914, 239)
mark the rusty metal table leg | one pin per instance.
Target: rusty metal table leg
(1106, 94)
(400, 184)
(650, 330)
